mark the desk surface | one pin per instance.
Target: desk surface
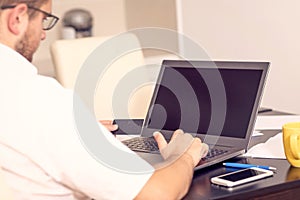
(285, 184)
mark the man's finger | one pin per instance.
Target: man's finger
(176, 133)
(111, 127)
(161, 141)
(204, 150)
(106, 122)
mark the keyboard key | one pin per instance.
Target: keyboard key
(213, 153)
(142, 144)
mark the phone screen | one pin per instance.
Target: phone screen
(241, 175)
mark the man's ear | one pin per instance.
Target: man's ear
(18, 19)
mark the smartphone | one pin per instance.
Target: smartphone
(241, 177)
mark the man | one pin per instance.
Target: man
(40, 151)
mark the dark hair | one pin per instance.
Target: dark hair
(32, 3)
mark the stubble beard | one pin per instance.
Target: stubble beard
(25, 47)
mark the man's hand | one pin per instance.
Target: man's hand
(181, 143)
(172, 179)
(109, 125)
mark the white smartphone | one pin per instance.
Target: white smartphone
(241, 176)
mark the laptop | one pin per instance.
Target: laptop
(216, 101)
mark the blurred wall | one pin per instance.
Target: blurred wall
(266, 30)
(110, 18)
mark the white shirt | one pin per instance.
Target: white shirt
(40, 151)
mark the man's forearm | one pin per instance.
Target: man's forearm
(170, 182)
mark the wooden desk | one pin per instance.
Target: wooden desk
(285, 184)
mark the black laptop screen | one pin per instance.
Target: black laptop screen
(183, 100)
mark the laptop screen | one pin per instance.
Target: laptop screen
(184, 99)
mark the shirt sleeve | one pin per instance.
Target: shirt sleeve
(64, 153)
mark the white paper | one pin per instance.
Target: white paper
(256, 133)
(272, 148)
(274, 122)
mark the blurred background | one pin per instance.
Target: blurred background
(228, 30)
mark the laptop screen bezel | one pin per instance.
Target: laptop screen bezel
(219, 140)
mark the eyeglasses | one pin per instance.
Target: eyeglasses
(48, 22)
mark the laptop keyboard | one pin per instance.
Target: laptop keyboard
(149, 145)
(213, 153)
(142, 144)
